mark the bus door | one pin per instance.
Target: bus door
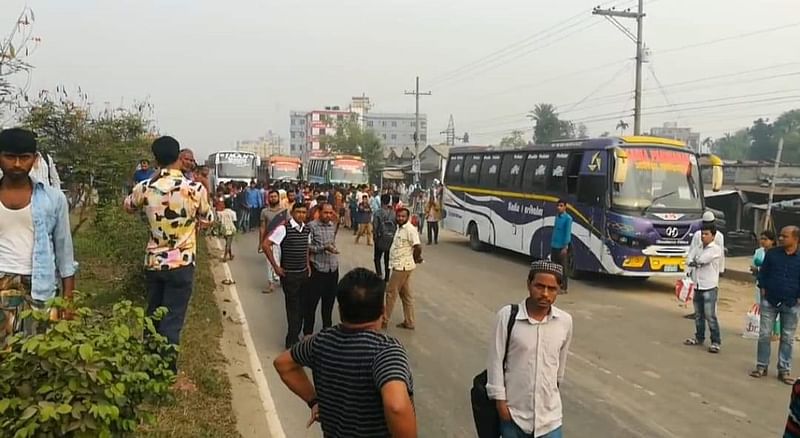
(587, 183)
(513, 214)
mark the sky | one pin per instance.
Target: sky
(217, 72)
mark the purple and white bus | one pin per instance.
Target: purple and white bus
(635, 201)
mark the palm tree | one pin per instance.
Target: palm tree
(622, 126)
(708, 143)
(547, 126)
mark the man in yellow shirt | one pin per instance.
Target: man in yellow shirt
(404, 256)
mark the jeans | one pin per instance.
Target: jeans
(557, 257)
(171, 289)
(705, 310)
(321, 286)
(293, 285)
(788, 317)
(433, 231)
(509, 429)
(244, 219)
(377, 254)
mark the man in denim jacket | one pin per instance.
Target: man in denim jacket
(35, 241)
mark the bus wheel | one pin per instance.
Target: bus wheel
(474, 239)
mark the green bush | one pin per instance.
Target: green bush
(88, 377)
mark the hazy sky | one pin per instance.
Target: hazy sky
(218, 71)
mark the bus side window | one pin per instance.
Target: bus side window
(490, 171)
(592, 189)
(536, 166)
(511, 171)
(455, 170)
(557, 177)
(573, 168)
(472, 167)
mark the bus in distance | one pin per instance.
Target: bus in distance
(337, 169)
(283, 168)
(635, 201)
(234, 166)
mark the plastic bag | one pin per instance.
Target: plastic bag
(684, 290)
(752, 322)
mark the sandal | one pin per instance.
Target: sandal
(403, 325)
(692, 341)
(758, 372)
(714, 348)
(786, 378)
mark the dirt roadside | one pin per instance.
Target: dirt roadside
(251, 418)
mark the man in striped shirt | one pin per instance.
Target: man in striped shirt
(362, 380)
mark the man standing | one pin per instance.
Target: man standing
(706, 265)
(187, 163)
(696, 247)
(44, 170)
(324, 269)
(242, 208)
(370, 393)
(143, 172)
(779, 280)
(384, 227)
(524, 373)
(35, 240)
(173, 205)
(273, 209)
(254, 198)
(364, 217)
(293, 267)
(560, 240)
(406, 252)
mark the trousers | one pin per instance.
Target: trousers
(379, 253)
(400, 284)
(322, 286)
(293, 285)
(171, 289)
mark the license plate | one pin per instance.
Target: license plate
(671, 268)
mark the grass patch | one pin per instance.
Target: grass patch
(111, 253)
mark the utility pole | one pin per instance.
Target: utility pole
(768, 218)
(610, 15)
(416, 164)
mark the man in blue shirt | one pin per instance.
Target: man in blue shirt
(254, 199)
(562, 237)
(779, 281)
(144, 172)
(36, 252)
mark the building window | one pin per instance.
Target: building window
(369, 123)
(423, 137)
(321, 131)
(394, 124)
(414, 124)
(293, 134)
(384, 136)
(383, 123)
(394, 136)
(302, 121)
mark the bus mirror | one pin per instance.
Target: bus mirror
(620, 166)
(258, 160)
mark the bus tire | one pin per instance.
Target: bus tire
(474, 238)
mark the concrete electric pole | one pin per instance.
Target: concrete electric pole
(416, 164)
(610, 15)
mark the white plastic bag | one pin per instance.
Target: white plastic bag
(684, 290)
(752, 322)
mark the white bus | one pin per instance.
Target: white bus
(233, 166)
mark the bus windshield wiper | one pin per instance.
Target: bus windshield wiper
(657, 198)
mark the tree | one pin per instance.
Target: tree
(351, 139)
(622, 126)
(548, 126)
(764, 146)
(465, 138)
(708, 142)
(15, 48)
(514, 140)
(605, 134)
(733, 146)
(583, 131)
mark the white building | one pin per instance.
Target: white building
(671, 130)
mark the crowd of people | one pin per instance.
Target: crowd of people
(363, 384)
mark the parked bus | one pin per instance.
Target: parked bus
(337, 169)
(233, 166)
(282, 168)
(635, 201)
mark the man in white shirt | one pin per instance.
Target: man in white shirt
(706, 265)
(696, 247)
(525, 381)
(404, 255)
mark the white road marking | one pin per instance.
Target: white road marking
(733, 412)
(271, 413)
(652, 374)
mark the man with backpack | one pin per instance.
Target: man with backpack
(383, 229)
(533, 335)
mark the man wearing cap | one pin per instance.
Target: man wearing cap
(35, 241)
(525, 372)
(696, 248)
(174, 205)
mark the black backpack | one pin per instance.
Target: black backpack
(484, 409)
(387, 226)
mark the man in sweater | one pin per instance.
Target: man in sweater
(779, 281)
(293, 267)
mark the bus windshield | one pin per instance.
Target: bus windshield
(348, 172)
(285, 171)
(659, 180)
(236, 165)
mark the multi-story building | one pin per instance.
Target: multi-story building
(266, 146)
(397, 129)
(320, 123)
(297, 133)
(671, 130)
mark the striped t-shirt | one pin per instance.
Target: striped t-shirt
(350, 367)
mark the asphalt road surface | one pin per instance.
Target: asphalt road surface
(628, 374)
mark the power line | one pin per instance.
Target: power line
(731, 37)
